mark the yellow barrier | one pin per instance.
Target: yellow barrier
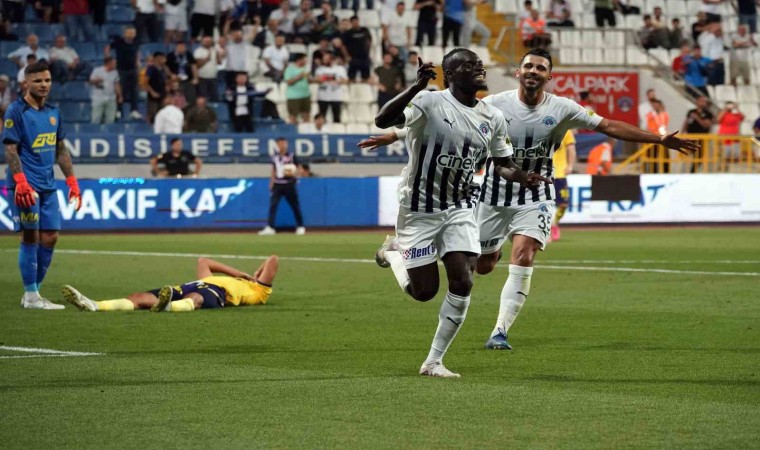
(719, 154)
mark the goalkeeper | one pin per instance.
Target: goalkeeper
(232, 288)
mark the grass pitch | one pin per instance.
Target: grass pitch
(630, 339)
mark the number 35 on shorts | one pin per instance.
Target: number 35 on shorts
(544, 219)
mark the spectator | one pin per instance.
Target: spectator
(604, 12)
(679, 62)
(453, 17)
(203, 18)
(658, 19)
(388, 79)
(65, 64)
(646, 107)
(711, 42)
(471, 24)
(200, 118)
(126, 50)
(533, 31)
(14, 10)
(563, 20)
(649, 34)
(742, 45)
(297, 93)
(98, 12)
(525, 12)
(175, 21)
(106, 92)
(240, 98)
(756, 128)
(358, 42)
(556, 9)
(698, 121)
(331, 78)
(410, 69)
(181, 64)
(427, 20)
(697, 69)
(207, 59)
(169, 119)
(315, 127)
(340, 51)
(658, 120)
(327, 23)
(747, 10)
(146, 20)
(237, 56)
(284, 17)
(283, 184)
(176, 163)
(729, 121)
(600, 158)
(5, 31)
(712, 9)
(316, 56)
(156, 85)
(6, 95)
(698, 27)
(276, 58)
(304, 23)
(266, 37)
(675, 36)
(47, 10)
(355, 4)
(32, 46)
(21, 76)
(267, 7)
(625, 8)
(77, 20)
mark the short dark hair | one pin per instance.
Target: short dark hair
(174, 140)
(281, 138)
(354, 17)
(647, 16)
(541, 53)
(412, 53)
(297, 56)
(318, 116)
(37, 67)
(107, 59)
(157, 54)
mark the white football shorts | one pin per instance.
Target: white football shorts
(500, 222)
(424, 236)
(176, 22)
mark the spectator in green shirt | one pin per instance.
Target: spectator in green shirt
(297, 93)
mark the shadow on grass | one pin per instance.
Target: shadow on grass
(709, 382)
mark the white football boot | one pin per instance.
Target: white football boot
(267, 231)
(389, 245)
(436, 369)
(77, 299)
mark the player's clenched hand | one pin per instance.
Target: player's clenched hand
(375, 142)
(24, 194)
(530, 178)
(75, 195)
(425, 73)
(680, 145)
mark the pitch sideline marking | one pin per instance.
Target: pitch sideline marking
(42, 352)
(369, 261)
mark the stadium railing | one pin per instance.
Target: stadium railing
(719, 154)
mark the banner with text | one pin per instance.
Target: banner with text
(613, 95)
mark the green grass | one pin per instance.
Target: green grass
(602, 359)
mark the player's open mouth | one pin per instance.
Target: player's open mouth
(480, 77)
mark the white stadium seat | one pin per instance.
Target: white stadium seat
(633, 22)
(747, 94)
(484, 54)
(358, 113)
(369, 18)
(635, 56)
(569, 56)
(614, 39)
(335, 128)
(344, 13)
(725, 93)
(507, 7)
(592, 56)
(357, 128)
(592, 39)
(570, 38)
(433, 54)
(661, 54)
(675, 8)
(362, 93)
(614, 56)
(751, 111)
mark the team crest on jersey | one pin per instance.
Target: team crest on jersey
(590, 112)
(484, 128)
(625, 104)
(9, 123)
(543, 208)
(53, 121)
(549, 121)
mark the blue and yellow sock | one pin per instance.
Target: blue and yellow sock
(27, 263)
(44, 258)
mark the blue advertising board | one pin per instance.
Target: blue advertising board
(188, 203)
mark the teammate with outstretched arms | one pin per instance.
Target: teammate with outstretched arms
(449, 132)
(33, 139)
(523, 214)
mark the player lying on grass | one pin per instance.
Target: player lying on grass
(233, 287)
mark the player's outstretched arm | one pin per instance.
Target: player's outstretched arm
(507, 169)
(626, 132)
(375, 142)
(207, 267)
(63, 157)
(392, 113)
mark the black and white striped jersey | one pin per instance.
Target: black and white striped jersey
(536, 133)
(446, 140)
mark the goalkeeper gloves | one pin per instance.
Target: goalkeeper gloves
(25, 195)
(75, 195)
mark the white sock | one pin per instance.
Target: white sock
(513, 296)
(399, 270)
(450, 319)
(31, 296)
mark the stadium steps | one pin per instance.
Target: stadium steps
(495, 21)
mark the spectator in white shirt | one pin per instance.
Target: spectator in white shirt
(64, 61)
(6, 96)
(276, 58)
(397, 32)
(207, 59)
(175, 21)
(711, 42)
(332, 78)
(237, 55)
(284, 16)
(712, 9)
(32, 47)
(106, 92)
(21, 76)
(146, 20)
(742, 45)
(170, 119)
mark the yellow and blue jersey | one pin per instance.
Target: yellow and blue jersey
(36, 133)
(240, 291)
(560, 155)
